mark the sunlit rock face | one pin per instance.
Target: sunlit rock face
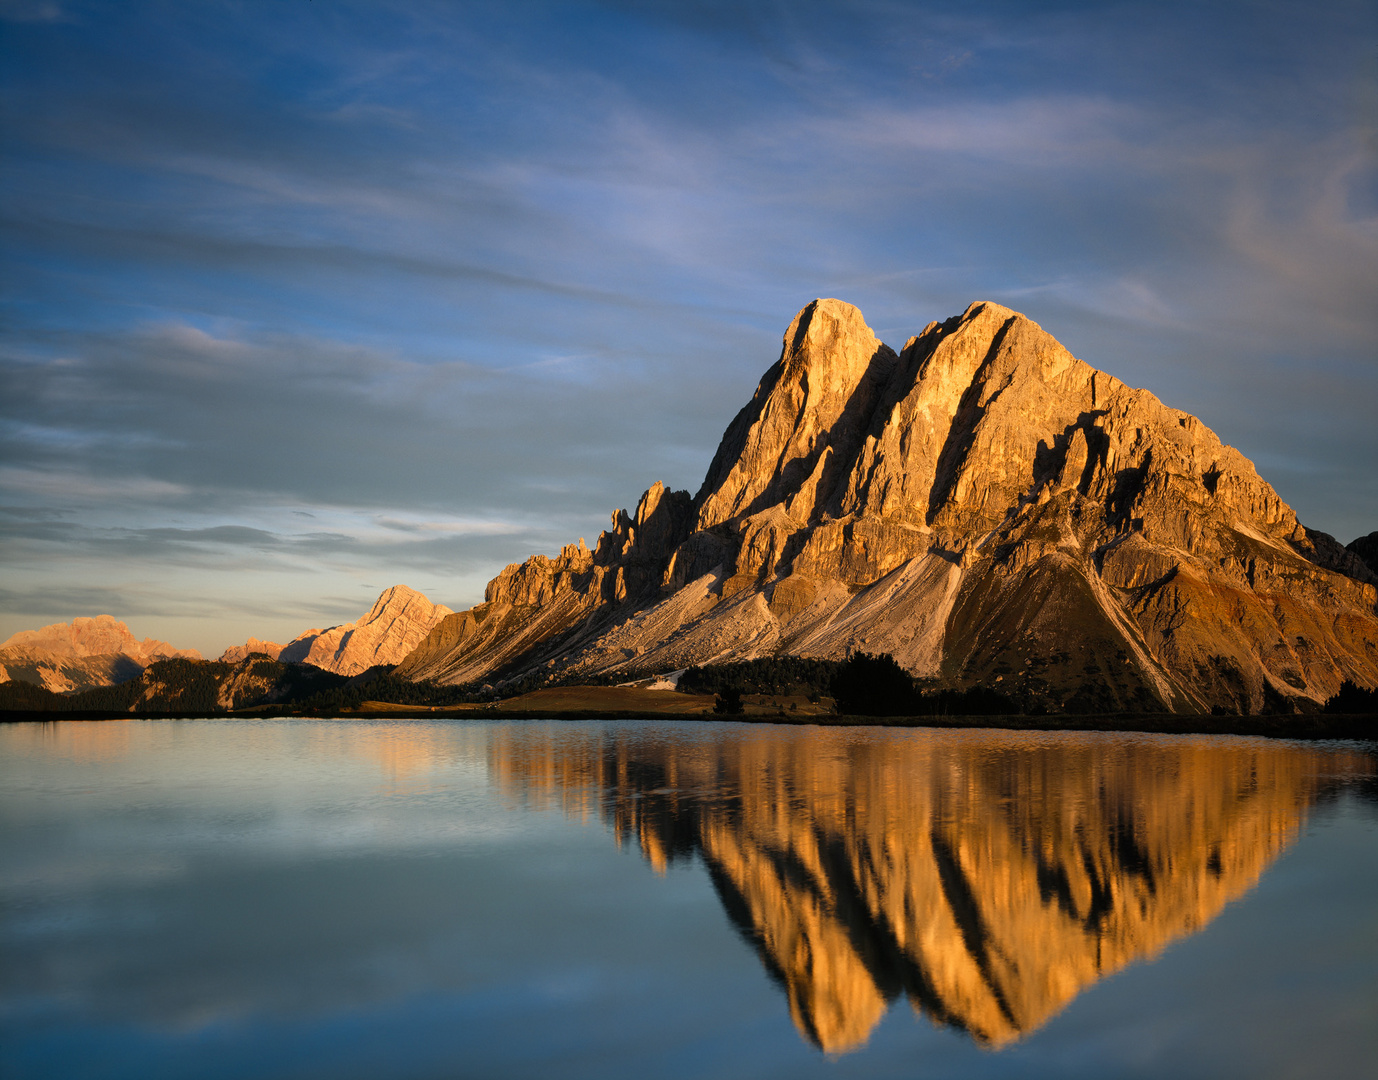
(399, 620)
(988, 878)
(982, 505)
(254, 646)
(82, 654)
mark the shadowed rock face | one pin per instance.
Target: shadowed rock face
(982, 505)
(1366, 548)
(82, 654)
(987, 878)
(804, 424)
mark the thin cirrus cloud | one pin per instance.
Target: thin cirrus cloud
(457, 280)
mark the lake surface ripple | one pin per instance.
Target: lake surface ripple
(292, 898)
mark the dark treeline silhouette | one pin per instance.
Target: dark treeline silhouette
(862, 685)
(186, 686)
(1352, 698)
(16, 696)
(766, 675)
(258, 681)
(876, 685)
(179, 684)
(867, 685)
(384, 686)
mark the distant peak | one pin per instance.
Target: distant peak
(99, 622)
(91, 636)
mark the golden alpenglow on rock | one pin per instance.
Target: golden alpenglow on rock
(82, 654)
(398, 621)
(982, 505)
(987, 877)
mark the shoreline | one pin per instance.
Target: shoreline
(1306, 726)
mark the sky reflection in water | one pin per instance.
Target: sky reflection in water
(422, 899)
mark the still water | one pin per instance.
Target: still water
(469, 899)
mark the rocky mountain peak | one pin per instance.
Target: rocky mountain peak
(984, 506)
(829, 343)
(397, 622)
(801, 426)
(1365, 549)
(85, 653)
(393, 601)
(100, 635)
(235, 653)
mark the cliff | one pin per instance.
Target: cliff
(982, 505)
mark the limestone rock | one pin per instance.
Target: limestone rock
(984, 506)
(82, 654)
(800, 430)
(236, 653)
(399, 620)
(547, 604)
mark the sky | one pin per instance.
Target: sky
(306, 298)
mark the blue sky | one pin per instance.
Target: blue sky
(303, 299)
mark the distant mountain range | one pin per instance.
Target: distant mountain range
(982, 505)
(82, 654)
(399, 620)
(91, 653)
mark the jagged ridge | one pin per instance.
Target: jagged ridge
(399, 620)
(982, 505)
(81, 655)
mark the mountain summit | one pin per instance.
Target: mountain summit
(82, 654)
(982, 505)
(398, 621)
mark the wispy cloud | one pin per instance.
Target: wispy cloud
(456, 283)
(37, 11)
(1054, 132)
(61, 486)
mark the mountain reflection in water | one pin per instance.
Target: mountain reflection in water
(988, 877)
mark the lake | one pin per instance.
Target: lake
(302, 898)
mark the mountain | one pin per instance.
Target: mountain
(82, 654)
(399, 620)
(235, 653)
(982, 505)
